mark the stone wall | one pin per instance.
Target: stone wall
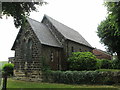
(27, 68)
(76, 47)
(61, 39)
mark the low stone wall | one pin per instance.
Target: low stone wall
(29, 76)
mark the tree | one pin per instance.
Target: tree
(109, 29)
(19, 10)
(7, 70)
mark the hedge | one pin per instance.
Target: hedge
(82, 77)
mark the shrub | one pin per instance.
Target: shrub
(82, 61)
(98, 64)
(8, 69)
(106, 64)
(116, 64)
(83, 77)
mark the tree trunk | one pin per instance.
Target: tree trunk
(4, 82)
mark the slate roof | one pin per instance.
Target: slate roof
(43, 33)
(67, 32)
(46, 37)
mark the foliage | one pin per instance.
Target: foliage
(109, 29)
(105, 64)
(8, 69)
(116, 64)
(19, 10)
(82, 61)
(98, 64)
(82, 77)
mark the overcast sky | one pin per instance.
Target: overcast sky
(81, 15)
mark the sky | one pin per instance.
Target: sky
(81, 15)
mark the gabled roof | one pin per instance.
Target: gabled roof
(67, 32)
(43, 33)
(46, 37)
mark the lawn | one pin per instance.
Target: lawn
(22, 84)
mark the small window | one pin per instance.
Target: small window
(29, 49)
(23, 48)
(51, 56)
(72, 49)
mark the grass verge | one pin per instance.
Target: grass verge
(23, 84)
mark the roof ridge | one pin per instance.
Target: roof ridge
(60, 23)
(78, 35)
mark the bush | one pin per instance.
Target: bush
(98, 64)
(116, 64)
(82, 61)
(83, 77)
(104, 64)
(8, 69)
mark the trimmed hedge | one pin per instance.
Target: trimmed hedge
(82, 77)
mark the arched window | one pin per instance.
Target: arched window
(52, 56)
(23, 49)
(29, 50)
(72, 49)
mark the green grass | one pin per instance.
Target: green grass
(22, 84)
(112, 70)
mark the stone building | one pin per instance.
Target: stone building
(11, 60)
(101, 54)
(45, 44)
